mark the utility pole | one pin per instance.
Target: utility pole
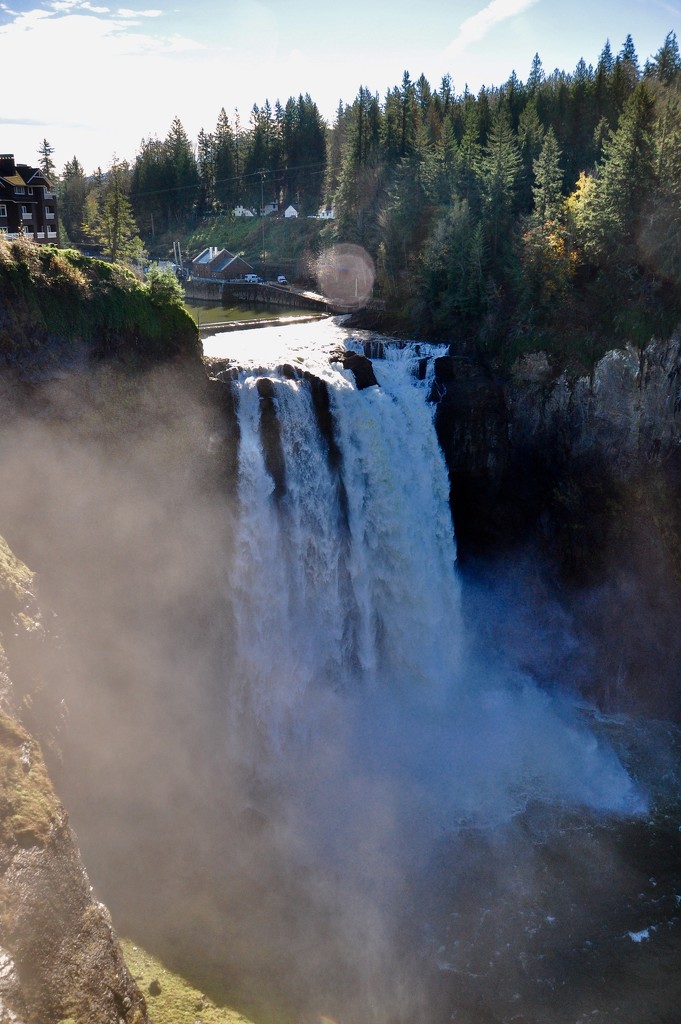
(262, 213)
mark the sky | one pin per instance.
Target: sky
(94, 79)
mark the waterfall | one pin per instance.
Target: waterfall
(354, 676)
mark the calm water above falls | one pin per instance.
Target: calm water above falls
(395, 751)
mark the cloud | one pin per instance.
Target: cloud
(22, 120)
(476, 27)
(125, 12)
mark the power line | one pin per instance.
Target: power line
(316, 169)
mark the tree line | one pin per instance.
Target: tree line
(545, 212)
(279, 157)
(539, 214)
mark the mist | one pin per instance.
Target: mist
(294, 833)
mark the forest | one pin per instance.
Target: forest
(542, 214)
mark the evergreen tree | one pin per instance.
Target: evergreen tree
(625, 75)
(660, 226)
(546, 257)
(46, 163)
(113, 224)
(227, 188)
(666, 65)
(182, 173)
(626, 178)
(407, 115)
(73, 191)
(513, 96)
(530, 141)
(334, 152)
(547, 190)
(205, 165)
(149, 186)
(536, 76)
(498, 177)
(452, 281)
(466, 183)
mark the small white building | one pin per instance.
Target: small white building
(326, 213)
(290, 212)
(243, 211)
(270, 208)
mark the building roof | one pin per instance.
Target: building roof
(21, 175)
(210, 254)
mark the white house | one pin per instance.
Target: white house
(290, 211)
(326, 213)
(270, 208)
(243, 211)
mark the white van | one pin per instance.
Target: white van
(251, 278)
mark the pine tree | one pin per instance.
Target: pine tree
(625, 75)
(205, 165)
(666, 64)
(73, 190)
(660, 232)
(113, 224)
(182, 173)
(624, 184)
(149, 186)
(530, 141)
(227, 191)
(46, 163)
(498, 177)
(334, 150)
(547, 190)
(536, 76)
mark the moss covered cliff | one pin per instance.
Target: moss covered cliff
(59, 307)
(59, 956)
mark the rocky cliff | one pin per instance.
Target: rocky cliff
(64, 320)
(586, 473)
(60, 310)
(59, 956)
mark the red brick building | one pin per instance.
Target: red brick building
(28, 205)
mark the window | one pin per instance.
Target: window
(3, 210)
(30, 191)
(19, 190)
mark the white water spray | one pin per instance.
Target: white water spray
(352, 656)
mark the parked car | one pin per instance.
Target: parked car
(252, 279)
(281, 280)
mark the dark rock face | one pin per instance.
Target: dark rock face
(271, 437)
(524, 448)
(472, 426)
(361, 368)
(586, 473)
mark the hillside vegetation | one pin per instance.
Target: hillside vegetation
(542, 214)
(58, 304)
(292, 244)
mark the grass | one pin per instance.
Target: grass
(290, 245)
(171, 999)
(48, 293)
(15, 577)
(29, 809)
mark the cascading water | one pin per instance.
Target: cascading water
(347, 602)
(386, 759)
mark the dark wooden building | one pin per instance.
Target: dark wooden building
(28, 206)
(220, 265)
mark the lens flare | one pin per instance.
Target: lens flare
(346, 275)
